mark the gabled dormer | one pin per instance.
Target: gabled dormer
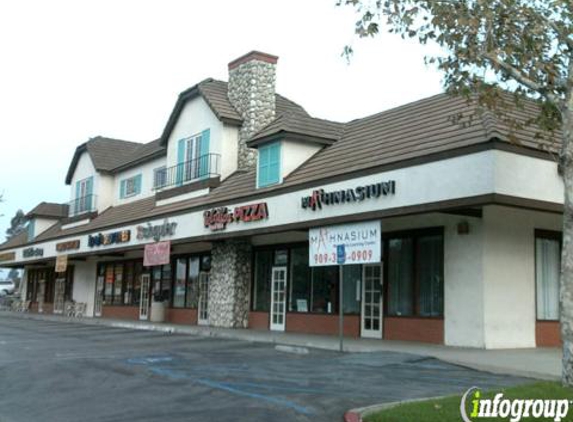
(44, 216)
(201, 139)
(289, 141)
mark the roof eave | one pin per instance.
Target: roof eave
(77, 154)
(290, 136)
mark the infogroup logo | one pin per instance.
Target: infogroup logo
(512, 409)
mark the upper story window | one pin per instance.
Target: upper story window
(269, 168)
(159, 177)
(193, 158)
(130, 187)
(84, 200)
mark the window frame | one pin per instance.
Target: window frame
(414, 234)
(263, 151)
(548, 235)
(160, 173)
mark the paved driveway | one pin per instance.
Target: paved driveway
(53, 371)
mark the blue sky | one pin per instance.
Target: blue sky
(73, 70)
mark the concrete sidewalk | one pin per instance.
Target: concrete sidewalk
(540, 363)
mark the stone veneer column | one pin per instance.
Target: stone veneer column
(229, 284)
(251, 90)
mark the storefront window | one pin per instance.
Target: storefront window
(547, 269)
(118, 285)
(400, 277)
(299, 280)
(430, 274)
(193, 280)
(351, 288)
(415, 264)
(262, 288)
(108, 290)
(325, 289)
(166, 283)
(128, 283)
(179, 287)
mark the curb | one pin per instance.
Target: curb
(356, 415)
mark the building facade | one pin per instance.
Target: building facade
(225, 198)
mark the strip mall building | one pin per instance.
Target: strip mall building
(470, 222)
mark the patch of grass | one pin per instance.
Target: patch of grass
(448, 409)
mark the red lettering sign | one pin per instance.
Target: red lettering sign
(157, 254)
(218, 218)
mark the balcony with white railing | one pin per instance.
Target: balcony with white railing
(82, 205)
(201, 168)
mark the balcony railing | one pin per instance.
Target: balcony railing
(82, 205)
(202, 167)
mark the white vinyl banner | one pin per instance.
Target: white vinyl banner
(356, 243)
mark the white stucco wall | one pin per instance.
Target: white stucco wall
(527, 177)
(103, 184)
(84, 283)
(294, 153)
(196, 117)
(509, 274)
(229, 151)
(42, 224)
(146, 171)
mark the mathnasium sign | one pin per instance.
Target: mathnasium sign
(360, 243)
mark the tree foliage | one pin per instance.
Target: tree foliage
(17, 225)
(524, 46)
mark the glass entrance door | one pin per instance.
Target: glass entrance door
(59, 290)
(371, 324)
(144, 297)
(278, 298)
(203, 306)
(99, 296)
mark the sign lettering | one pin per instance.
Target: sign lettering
(106, 239)
(68, 246)
(32, 252)
(156, 232)
(8, 256)
(356, 243)
(218, 218)
(320, 197)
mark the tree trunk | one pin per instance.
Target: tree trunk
(566, 284)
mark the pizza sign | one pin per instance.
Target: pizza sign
(218, 218)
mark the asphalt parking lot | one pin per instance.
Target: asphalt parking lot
(55, 371)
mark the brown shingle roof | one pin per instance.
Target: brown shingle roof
(414, 130)
(49, 209)
(319, 130)
(19, 240)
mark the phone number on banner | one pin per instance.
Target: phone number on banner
(357, 257)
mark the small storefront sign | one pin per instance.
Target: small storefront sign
(157, 254)
(8, 256)
(70, 245)
(320, 197)
(156, 232)
(218, 218)
(106, 239)
(32, 252)
(61, 263)
(356, 243)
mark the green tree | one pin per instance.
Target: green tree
(17, 225)
(521, 46)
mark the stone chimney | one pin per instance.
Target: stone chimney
(252, 92)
